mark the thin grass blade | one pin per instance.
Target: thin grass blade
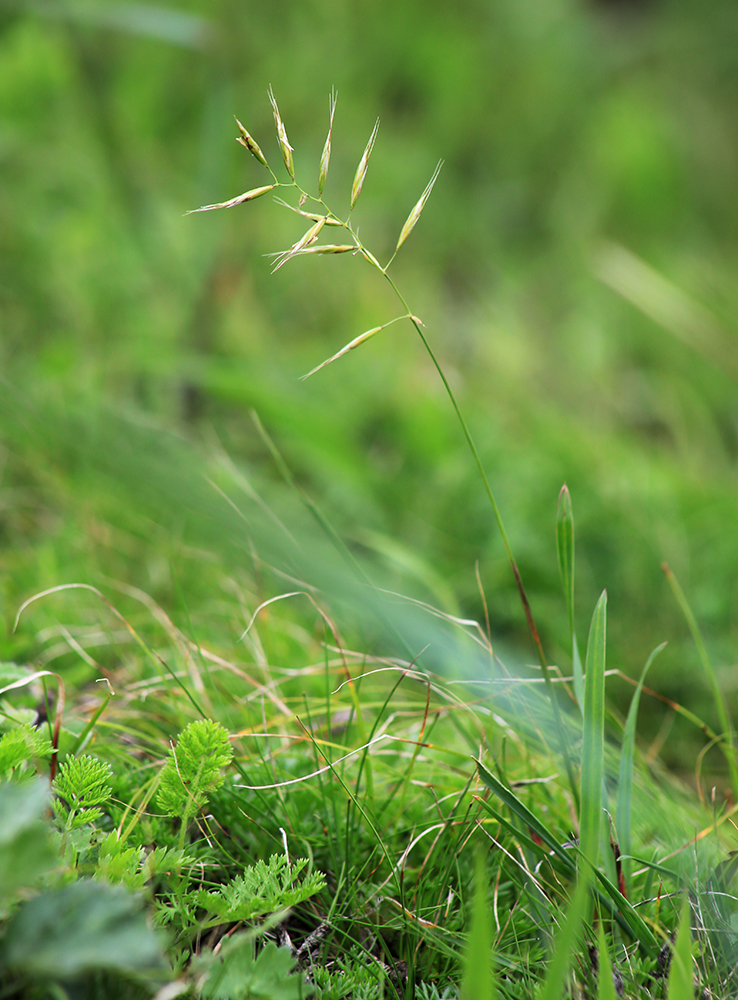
(593, 734)
(565, 549)
(625, 781)
(680, 984)
(479, 980)
(565, 944)
(522, 812)
(720, 705)
(605, 982)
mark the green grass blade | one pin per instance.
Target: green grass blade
(625, 781)
(720, 704)
(522, 812)
(611, 899)
(565, 550)
(593, 735)
(605, 984)
(680, 985)
(564, 945)
(479, 980)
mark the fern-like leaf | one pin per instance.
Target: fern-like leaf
(193, 770)
(82, 785)
(262, 888)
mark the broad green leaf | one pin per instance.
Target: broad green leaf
(236, 975)
(64, 933)
(26, 852)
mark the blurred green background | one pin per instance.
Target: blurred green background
(575, 269)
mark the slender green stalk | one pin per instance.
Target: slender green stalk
(718, 698)
(593, 737)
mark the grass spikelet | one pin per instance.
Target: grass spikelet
(363, 163)
(253, 147)
(282, 139)
(247, 196)
(305, 241)
(344, 350)
(415, 214)
(325, 158)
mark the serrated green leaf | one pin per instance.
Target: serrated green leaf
(237, 975)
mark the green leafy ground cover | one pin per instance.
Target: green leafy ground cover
(283, 755)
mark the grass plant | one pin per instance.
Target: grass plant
(282, 812)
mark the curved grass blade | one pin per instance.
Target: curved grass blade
(618, 906)
(718, 698)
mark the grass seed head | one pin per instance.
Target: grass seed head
(282, 139)
(239, 200)
(325, 159)
(415, 214)
(363, 163)
(253, 147)
(344, 350)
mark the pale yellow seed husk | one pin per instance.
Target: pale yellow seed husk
(305, 241)
(325, 159)
(344, 350)
(246, 196)
(415, 214)
(282, 139)
(363, 163)
(253, 147)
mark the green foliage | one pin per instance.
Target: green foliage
(81, 786)
(20, 746)
(478, 982)
(26, 853)
(64, 933)
(193, 769)
(600, 354)
(237, 974)
(262, 888)
(680, 983)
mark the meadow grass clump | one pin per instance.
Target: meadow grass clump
(281, 811)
